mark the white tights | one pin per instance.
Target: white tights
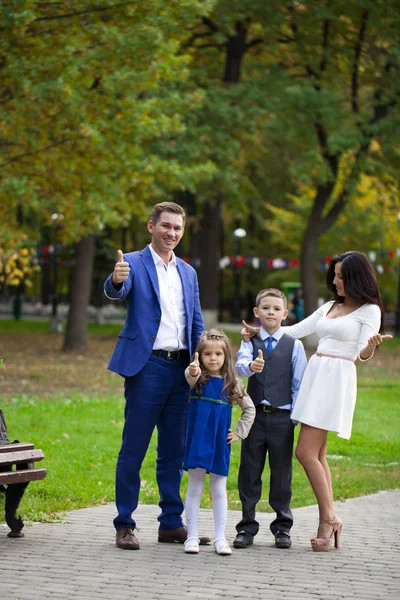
(196, 478)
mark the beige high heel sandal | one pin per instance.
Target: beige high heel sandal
(325, 544)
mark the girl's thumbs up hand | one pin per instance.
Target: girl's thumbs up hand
(258, 364)
(121, 269)
(194, 366)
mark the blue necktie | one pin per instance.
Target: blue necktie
(269, 345)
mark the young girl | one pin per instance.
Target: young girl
(215, 388)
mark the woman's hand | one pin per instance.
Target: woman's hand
(248, 331)
(232, 437)
(373, 342)
(194, 366)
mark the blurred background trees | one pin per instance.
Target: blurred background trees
(278, 119)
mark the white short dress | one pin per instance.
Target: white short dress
(328, 391)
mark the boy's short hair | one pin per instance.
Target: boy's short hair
(271, 292)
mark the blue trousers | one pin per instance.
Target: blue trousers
(157, 396)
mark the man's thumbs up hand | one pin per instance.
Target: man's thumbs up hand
(258, 364)
(194, 366)
(121, 270)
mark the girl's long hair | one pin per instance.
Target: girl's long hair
(359, 280)
(227, 370)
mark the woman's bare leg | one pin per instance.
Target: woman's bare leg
(324, 463)
(310, 447)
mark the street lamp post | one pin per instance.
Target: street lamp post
(239, 234)
(55, 321)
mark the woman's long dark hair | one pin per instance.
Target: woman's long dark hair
(359, 280)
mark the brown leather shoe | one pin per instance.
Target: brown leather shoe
(126, 539)
(178, 536)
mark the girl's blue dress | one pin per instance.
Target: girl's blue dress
(208, 428)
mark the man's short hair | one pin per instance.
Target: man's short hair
(271, 292)
(171, 207)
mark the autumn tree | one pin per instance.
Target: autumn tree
(91, 103)
(316, 98)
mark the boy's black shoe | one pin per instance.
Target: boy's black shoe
(282, 539)
(243, 540)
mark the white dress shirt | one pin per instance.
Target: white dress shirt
(172, 331)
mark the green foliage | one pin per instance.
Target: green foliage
(91, 103)
(312, 113)
(278, 109)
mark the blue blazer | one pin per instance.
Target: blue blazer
(141, 290)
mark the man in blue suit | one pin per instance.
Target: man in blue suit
(160, 333)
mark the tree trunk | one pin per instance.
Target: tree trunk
(317, 225)
(206, 241)
(235, 50)
(308, 259)
(206, 245)
(76, 332)
(209, 249)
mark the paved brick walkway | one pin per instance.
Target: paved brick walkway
(78, 559)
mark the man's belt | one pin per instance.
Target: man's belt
(171, 354)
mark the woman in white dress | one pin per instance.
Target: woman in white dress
(348, 327)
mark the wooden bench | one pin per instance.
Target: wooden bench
(17, 469)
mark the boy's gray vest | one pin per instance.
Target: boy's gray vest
(274, 383)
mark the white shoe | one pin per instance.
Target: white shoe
(222, 547)
(191, 546)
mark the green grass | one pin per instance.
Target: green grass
(80, 438)
(112, 329)
(31, 326)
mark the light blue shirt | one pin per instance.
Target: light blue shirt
(299, 362)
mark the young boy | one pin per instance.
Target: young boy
(274, 364)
